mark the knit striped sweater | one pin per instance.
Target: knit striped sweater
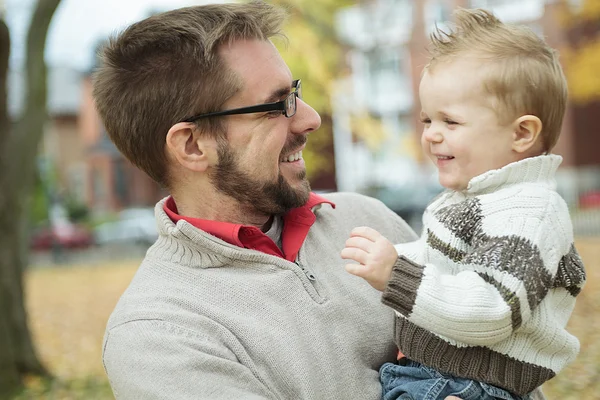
(487, 290)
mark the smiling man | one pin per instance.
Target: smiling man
(244, 294)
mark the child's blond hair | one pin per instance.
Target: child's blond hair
(527, 79)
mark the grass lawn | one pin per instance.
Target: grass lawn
(68, 309)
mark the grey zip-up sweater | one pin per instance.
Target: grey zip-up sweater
(203, 319)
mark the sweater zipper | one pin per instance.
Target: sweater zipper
(311, 277)
(317, 296)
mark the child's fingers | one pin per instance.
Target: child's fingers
(359, 242)
(352, 253)
(366, 232)
(356, 269)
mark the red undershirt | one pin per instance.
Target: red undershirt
(296, 224)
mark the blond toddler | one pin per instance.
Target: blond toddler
(483, 297)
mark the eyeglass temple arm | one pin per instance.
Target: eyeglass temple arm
(243, 110)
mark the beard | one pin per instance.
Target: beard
(270, 198)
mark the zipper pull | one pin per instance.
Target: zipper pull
(309, 275)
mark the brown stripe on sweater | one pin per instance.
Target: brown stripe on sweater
(462, 219)
(518, 257)
(446, 249)
(477, 362)
(509, 297)
(512, 254)
(571, 273)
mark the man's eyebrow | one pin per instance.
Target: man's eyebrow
(277, 95)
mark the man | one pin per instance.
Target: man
(244, 294)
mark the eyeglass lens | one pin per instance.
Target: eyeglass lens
(290, 101)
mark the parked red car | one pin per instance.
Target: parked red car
(66, 236)
(590, 199)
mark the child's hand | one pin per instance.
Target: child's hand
(375, 254)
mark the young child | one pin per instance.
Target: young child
(483, 297)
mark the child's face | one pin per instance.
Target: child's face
(462, 134)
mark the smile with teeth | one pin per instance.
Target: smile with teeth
(292, 157)
(444, 157)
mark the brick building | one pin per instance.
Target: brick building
(387, 42)
(111, 182)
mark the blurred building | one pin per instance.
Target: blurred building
(112, 183)
(61, 149)
(386, 41)
(377, 95)
(76, 157)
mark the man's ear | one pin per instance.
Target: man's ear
(526, 134)
(188, 147)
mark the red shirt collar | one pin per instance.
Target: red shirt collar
(296, 224)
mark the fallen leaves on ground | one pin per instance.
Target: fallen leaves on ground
(581, 379)
(69, 307)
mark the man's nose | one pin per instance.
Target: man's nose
(306, 119)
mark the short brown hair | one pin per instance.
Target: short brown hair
(165, 68)
(526, 76)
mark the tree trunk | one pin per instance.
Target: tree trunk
(9, 374)
(18, 151)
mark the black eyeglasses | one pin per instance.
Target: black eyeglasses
(287, 106)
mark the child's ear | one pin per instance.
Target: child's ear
(188, 147)
(526, 134)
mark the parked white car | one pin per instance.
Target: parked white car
(134, 225)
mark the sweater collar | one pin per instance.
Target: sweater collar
(297, 223)
(539, 170)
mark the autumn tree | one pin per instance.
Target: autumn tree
(314, 55)
(581, 60)
(18, 150)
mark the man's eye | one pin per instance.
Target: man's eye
(274, 114)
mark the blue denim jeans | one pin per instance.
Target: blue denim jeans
(414, 381)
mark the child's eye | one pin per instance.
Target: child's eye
(425, 120)
(450, 122)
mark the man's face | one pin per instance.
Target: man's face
(260, 164)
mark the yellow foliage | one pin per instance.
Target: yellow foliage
(582, 69)
(370, 130)
(590, 10)
(582, 61)
(314, 55)
(315, 154)
(410, 146)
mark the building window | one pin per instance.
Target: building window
(389, 80)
